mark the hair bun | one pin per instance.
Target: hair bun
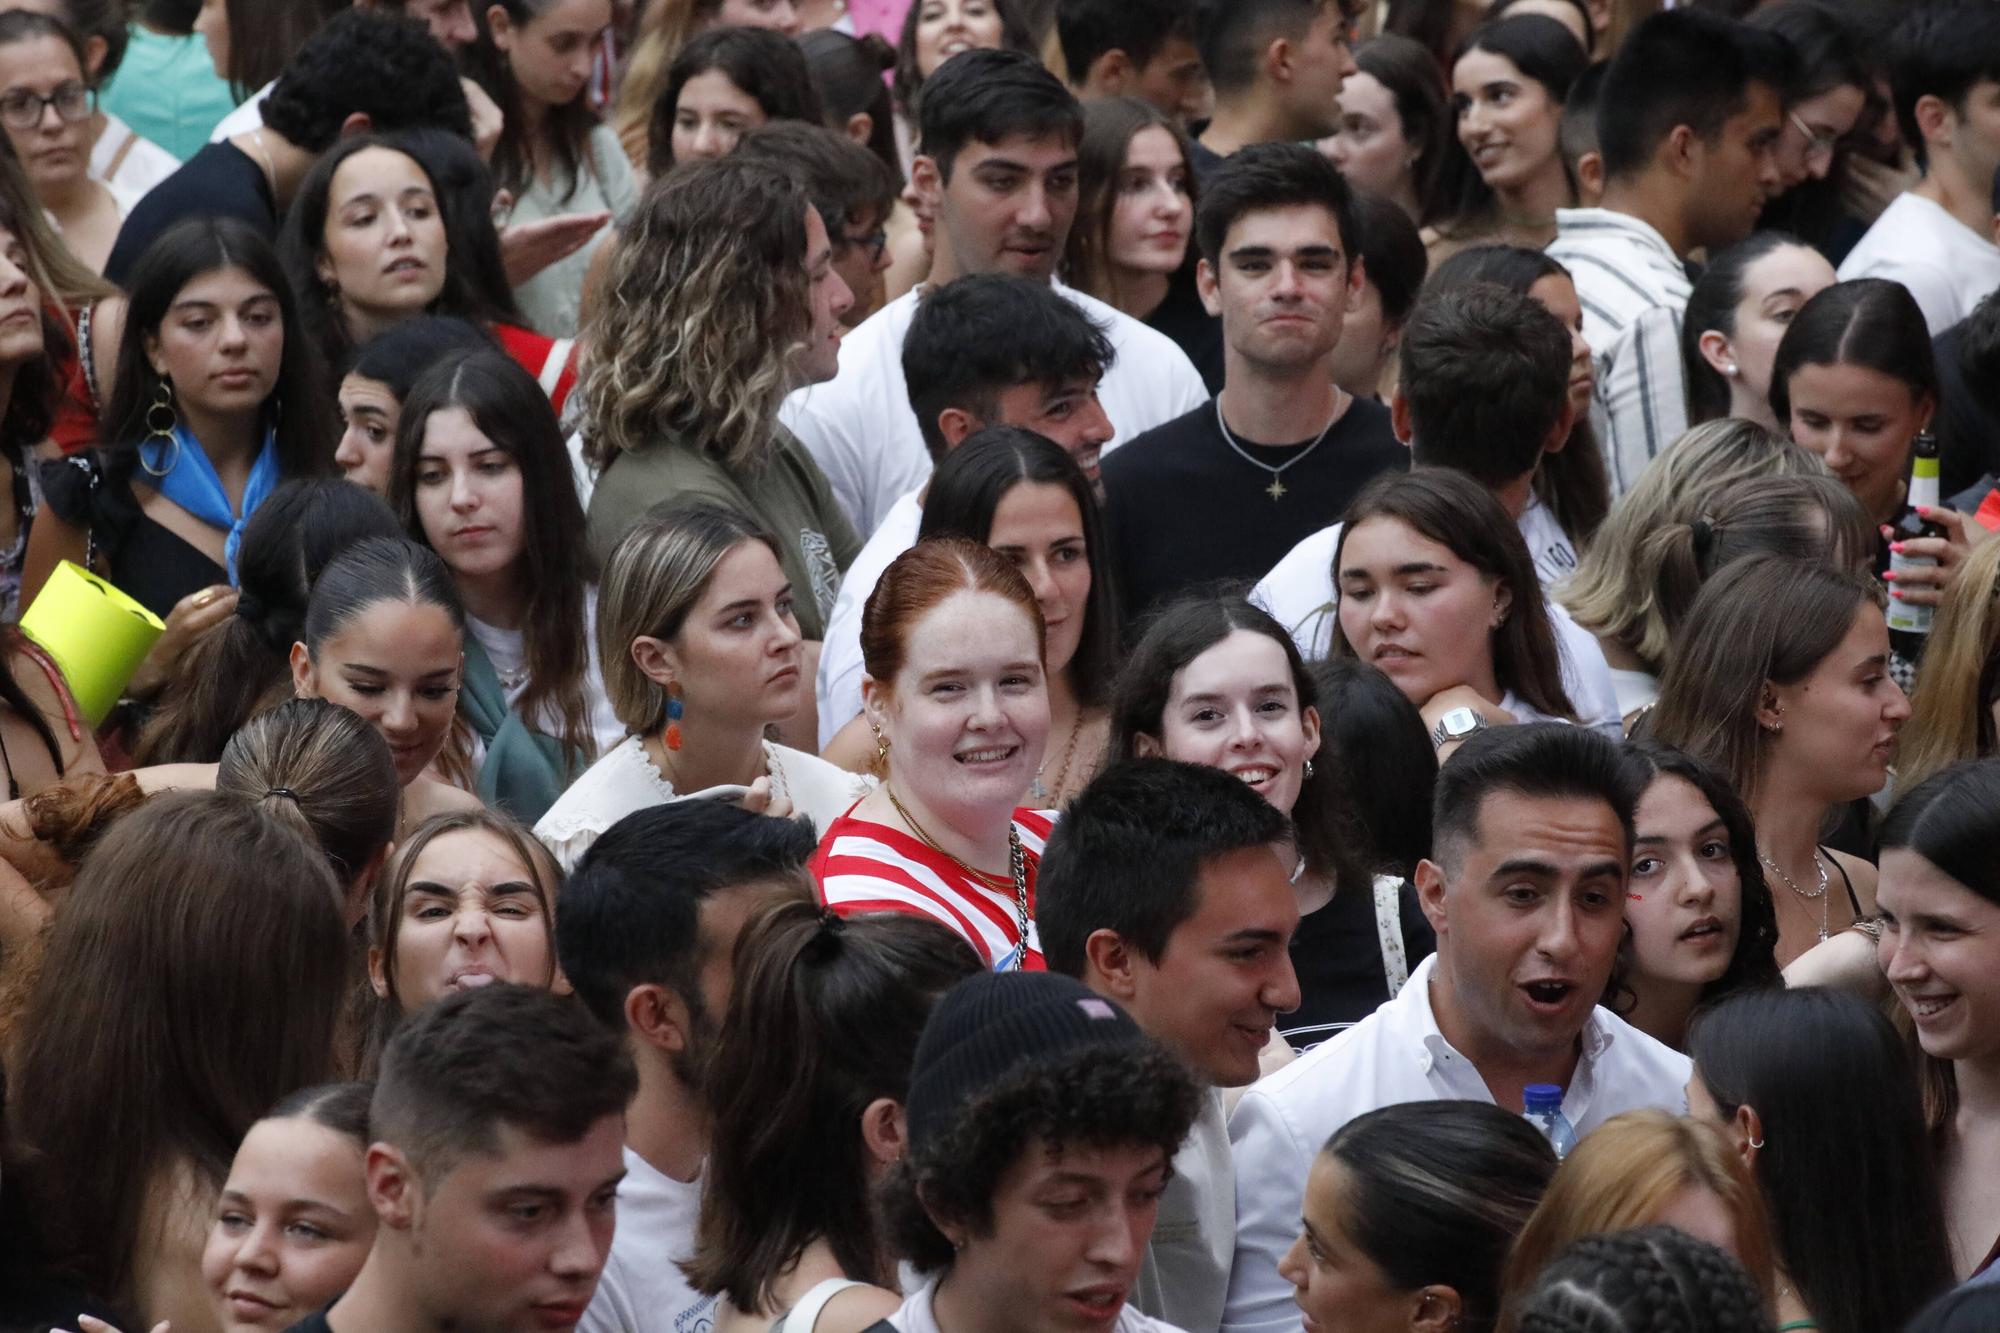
(878, 48)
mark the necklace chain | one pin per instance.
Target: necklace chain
(1054, 794)
(1276, 490)
(1017, 864)
(1818, 895)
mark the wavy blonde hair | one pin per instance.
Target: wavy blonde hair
(1625, 1175)
(1951, 717)
(706, 304)
(1612, 593)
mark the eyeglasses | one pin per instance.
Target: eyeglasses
(1818, 142)
(875, 242)
(22, 110)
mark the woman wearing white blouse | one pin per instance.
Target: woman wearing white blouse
(701, 654)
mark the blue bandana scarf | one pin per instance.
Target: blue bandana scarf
(193, 485)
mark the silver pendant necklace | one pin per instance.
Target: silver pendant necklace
(1276, 490)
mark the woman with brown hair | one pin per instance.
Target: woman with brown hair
(1639, 1169)
(806, 1085)
(666, 27)
(957, 697)
(1781, 681)
(130, 1098)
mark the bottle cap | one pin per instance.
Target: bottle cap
(1542, 1097)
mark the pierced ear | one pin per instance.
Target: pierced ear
(303, 684)
(1309, 723)
(1439, 1309)
(884, 1131)
(1503, 602)
(1715, 349)
(1749, 1129)
(1770, 710)
(654, 658)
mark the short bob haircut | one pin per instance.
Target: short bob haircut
(1869, 322)
(1450, 508)
(657, 573)
(1435, 1193)
(1626, 1173)
(1613, 593)
(1178, 633)
(1769, 619)
(1829, 1079)
(765, 66)
(295, 411)
(1754, 963)
(965, 494)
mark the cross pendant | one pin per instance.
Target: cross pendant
(1276, 490)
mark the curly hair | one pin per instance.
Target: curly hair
(1091, 1096)
(382, 66)
(1650, 1280)
(706, 303)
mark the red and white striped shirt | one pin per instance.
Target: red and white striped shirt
(862, 866)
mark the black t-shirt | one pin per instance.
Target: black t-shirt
(1337, 953)
(1968, 431)
(1186, 320)
(1183, 508)
(312, 1323)
(1205, 160)
(219, 181)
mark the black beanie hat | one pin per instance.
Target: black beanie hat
(990, 1024)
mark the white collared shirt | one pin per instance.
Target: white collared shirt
(1634, 290)
(1299, 593)
(1395, 1055)
(860, 428)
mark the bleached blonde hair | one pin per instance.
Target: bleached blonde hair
(706, 305)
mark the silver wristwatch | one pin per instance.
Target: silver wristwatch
(1456, 725)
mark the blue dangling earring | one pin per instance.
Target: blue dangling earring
(675, 711)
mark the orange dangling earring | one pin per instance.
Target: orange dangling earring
(675, 710)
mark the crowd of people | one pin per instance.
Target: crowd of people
(1000, 666)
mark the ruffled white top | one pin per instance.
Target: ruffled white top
(625, 781)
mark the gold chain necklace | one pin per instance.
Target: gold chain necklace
(1054, 793)
(1819, 895)
(1018, 881)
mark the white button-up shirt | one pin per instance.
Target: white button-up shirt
(1394, 1055)
(860, 428)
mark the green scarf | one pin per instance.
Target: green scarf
(524, 771)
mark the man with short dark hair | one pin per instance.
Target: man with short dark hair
(1282, 448)
(996, 162)
(1277, 67)
(1041, 1128)
(853, 191)
(494, 1170)
(1526, 889)
(1688, 122)
(1165, 887)
(987, 350)
(646, 935)
(1114, 48)
(1483, 389)
(361, 72)
(1936, 238)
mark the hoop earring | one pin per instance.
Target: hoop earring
(161, 423)
(1757, 1143)
(676, 710)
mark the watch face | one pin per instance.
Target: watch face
(1461, 722)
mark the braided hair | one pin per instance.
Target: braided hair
(1650, 1280)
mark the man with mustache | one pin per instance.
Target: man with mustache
(996, 164)
(1533, 845)
(1280, 452)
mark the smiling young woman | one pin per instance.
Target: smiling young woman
(956, 693)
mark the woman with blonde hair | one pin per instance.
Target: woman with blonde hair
(1646, 1168)
(709, 316)
(701, 654)
(1612, 592)
(1952, 713)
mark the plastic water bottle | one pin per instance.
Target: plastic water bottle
(1544, 1110)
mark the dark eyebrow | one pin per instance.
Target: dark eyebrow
(1211, 696)
(1710, 827)
(1254, 935)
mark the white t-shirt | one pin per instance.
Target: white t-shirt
(860, 428)
(1300, 595)
(140, 164)
(1946, 265)
(507, 650)
(918, 1316)
(642, 1289)
(840, 668)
